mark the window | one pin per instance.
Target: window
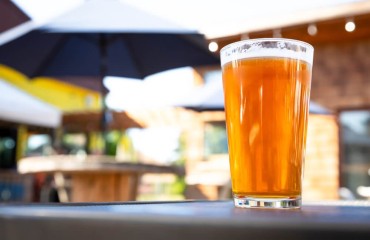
(74, 143)
(355, 152)
(38, 145)
(8, 140)
(215, 138)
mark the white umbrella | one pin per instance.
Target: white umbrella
(112, 16)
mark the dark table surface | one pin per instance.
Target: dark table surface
(184, 220)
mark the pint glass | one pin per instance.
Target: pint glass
(267, 89)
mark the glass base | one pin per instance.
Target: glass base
(267, 203)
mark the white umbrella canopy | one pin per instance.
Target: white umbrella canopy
(218, 19)
(19, 107)
(111, 16)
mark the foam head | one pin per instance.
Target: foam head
(267, 47)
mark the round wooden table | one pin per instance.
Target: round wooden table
(92, 178)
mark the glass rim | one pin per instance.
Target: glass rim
(254, 40)
(231, 53)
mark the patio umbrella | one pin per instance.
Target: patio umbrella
(106, 38)
(102, 38)
(132, 55)
(13, 21)
(11, 15)
(210, 97)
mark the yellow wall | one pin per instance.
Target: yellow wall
(65, 96)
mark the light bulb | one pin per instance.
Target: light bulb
(312, 29)
(213, 46)
(277, 33)
(244, 36)
(350, 26)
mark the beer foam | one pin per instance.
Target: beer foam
(253, 48)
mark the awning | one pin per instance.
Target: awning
(19, 107)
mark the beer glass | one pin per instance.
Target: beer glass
(267, 89)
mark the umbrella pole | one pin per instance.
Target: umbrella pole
(106, 116)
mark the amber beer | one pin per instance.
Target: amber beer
(266, 105)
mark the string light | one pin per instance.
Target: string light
(350, 25)
(312, 29)
(213, 46)
(244, 36)
(277, 33)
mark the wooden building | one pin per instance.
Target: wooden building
(340, 83)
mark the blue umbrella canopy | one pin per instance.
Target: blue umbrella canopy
(210, 97)
(102, 38)
(133, 55)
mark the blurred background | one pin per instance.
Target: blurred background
(157, 131)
